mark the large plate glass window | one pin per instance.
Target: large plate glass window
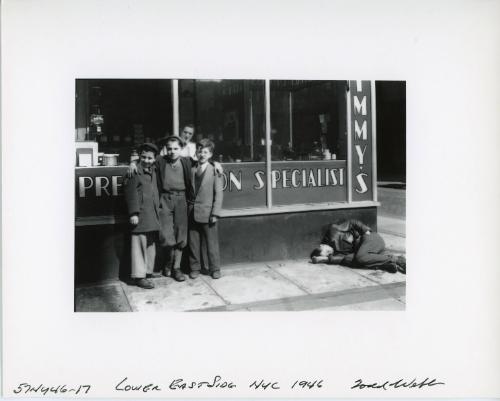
(117, 115)
(232, 114)
(309, 141)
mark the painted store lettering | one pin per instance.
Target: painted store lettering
(362, 183)
(233, 182)
(360, 107)
(288, 178)
(360, 140)
(362, 133)
(100, 186)
(96, 186)
(360, 153)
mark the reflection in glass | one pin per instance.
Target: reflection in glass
(308, 120)
(230, 112)
(120, 114)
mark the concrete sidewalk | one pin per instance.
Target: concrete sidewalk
(391, 226)
(290, 285)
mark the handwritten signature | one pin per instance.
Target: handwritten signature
(386, 385)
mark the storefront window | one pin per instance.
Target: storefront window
(116, 115)
(308, 133)
(308, 120)
(309, 141)
(232, 114)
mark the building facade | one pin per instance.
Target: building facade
(297, 155)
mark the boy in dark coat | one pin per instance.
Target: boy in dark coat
(141, 194)
(352, 243)
(205, 211)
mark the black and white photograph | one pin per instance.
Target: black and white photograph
(239, 195)
(169, 166)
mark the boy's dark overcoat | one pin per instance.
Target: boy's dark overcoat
(142, 197)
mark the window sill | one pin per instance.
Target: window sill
(305, 207)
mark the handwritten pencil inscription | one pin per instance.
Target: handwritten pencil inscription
(401, 383)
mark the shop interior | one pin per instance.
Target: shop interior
(308, 118)
(119, 114)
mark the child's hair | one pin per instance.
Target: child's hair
(148, 147)
(315, 252)
(174, 138)
(206, 143)
(322, 250)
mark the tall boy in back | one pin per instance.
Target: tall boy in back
(206, 211)
(141, 194)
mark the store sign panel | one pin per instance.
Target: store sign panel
(308, 182)
(244, 185)
(99, 190)
(292, 182)
(361, 135)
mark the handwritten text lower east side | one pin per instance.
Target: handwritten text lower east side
(217, 382)
(127, 385)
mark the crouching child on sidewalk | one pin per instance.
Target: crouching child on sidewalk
(205, 212)
(141, 194)
(352, 243)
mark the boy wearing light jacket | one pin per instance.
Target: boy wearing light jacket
(205, 211)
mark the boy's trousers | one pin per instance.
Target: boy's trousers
(143, 248)
(203, 233)
(173, 219)
(369, 254)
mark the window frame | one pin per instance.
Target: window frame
(269, 195)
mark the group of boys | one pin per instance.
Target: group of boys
(174, 200)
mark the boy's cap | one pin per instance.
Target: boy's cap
(151, 147)
(163, 141)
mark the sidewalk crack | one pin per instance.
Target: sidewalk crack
(215, 292)
(289, 279)
(126, 297)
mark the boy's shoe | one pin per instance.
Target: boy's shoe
(390, 267)
(215, 274)
(178, 275)
(401, 264)
(144, 283)
(194, 274)
(154, 275)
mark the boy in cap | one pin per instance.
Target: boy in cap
(142, 197)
